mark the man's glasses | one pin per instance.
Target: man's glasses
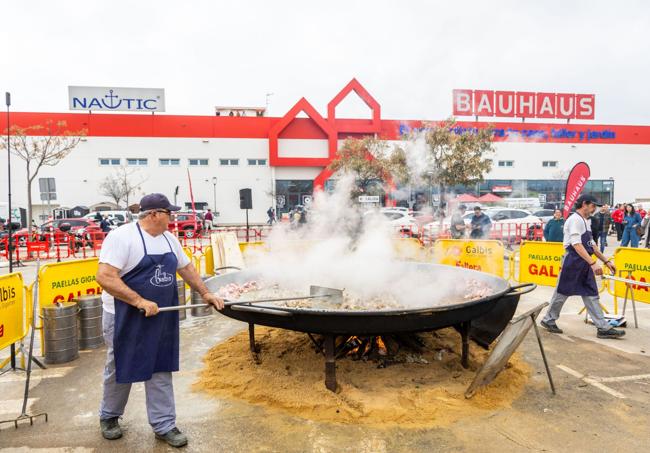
(164, 211)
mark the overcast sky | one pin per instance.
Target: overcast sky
(408, 54)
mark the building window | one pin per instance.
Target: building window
(549, 163)
(198, 162)
(133, 162)
(169, 162)
(229, 162)
(506, 163)
(106, 161)
(259, 162)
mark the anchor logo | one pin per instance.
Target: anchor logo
(112, 99)
(161, 278)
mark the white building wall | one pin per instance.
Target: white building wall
(626, 164)
(302, 148)
(79, 175)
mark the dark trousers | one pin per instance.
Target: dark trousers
(619, 231)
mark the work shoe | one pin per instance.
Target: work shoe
(110, 428)
(610, 333)
(551, 327)
(173, 437)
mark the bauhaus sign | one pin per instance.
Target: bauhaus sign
(116, 99)
(524, 104)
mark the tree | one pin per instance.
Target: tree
(121, 185)
(111, 187)
(373, 162)
(40, 146)
(456, 156)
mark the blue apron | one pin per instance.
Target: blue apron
(576, 276)
(142, 345)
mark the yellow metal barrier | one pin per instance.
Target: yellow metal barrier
(633, 264)
(410, 249)
(540, 262)
(209, 260)
(66, 281)
(481, 255)
(12, 311)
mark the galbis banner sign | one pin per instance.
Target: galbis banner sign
(116, 99)
(524, 104)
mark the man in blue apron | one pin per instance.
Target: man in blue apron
(579, 270)
(137, 270)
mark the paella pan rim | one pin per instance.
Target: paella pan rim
(388, 312)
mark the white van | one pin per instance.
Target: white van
(117, 217)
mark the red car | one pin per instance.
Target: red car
(52, 226)
(88, 225)
(189, 224)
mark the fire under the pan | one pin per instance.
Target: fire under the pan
(465, 290)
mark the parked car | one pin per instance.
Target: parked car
(402, 221)
(189, 224)
(52, 226)
(118, 218)
(544, 214)
(80, 227)
(397, 208)
(507, 223)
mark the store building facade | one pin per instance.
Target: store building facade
(284, 159)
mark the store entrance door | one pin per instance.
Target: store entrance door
(290, 193)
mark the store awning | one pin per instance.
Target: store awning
(489, 198)
(466, 198)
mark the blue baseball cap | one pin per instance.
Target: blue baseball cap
(157, 201)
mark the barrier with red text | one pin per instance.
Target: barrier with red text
(481, 255)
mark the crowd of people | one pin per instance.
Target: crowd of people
(630, 225)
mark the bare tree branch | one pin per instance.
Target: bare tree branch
(42, 146)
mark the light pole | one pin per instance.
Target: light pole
(430, 174)
(10, 247)
(214, 194)
(10, 242)
(268, 102)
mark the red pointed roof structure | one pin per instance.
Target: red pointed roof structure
(274, 134)
(356, 125)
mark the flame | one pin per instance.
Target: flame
(356, 343)
(381, 347)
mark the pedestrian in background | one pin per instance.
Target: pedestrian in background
(457, 226)
(480, 224)
(553, 229)
(596, 227)
(617, 217)
(105, 225)
(271, 214)
(645, 227)
(605, 222)
(208, 220)
(631, 221)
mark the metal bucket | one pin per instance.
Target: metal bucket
(196, 299)
(60, 332)
(91, 335)
(181, 298)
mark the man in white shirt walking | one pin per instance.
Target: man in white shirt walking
(579, 270)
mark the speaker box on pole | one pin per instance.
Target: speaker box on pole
(245, 199)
